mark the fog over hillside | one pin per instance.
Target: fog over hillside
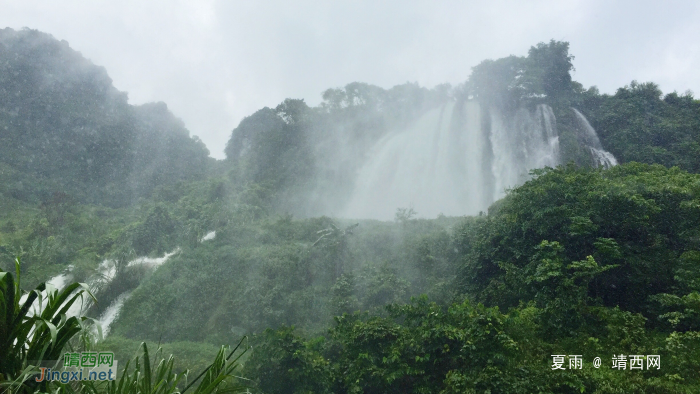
(214, 62)
(499, 225)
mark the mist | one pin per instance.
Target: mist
(216, 62)
(351, 197)
(366, 152)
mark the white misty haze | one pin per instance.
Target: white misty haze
(215, 62)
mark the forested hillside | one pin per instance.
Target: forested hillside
(306, 160)
(66, 128)
(585, 258)
(640, 123)
(577, 261)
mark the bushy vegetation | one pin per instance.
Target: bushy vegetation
(293, 272)
(577, 261)
(640, 123)
(35, 327)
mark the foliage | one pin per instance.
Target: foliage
(510, 82)
(66, 128)
(635, 221)
(29, 335)
(154, 234)
(466, 348)
(284, 363)
(158, 377)
(379, 355)
(423, 347)
(282, 271)
(575, 261)
(638, 123)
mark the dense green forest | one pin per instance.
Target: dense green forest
(578, 260)
(66, 128)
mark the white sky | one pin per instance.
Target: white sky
(215, 62)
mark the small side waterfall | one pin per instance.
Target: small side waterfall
(106, 272)
(152, 261)
(111, 313)
(209, 236)
(590, 139)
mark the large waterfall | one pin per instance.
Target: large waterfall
(525, 141)
(458, 159)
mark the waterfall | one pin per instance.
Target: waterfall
(521, 143)
(210, 235)
(152, 261)
(400, 168)
(448, 162)
(59, 281)
(590, 139)
(112, 311)
(110, 314)
(106, 272)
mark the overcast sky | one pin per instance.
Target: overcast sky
(215, 62)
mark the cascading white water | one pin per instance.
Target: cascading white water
(519, 144)
(447, 162)
(589, 137)
(209, 236)
(416, 167)
(106, 272)
(152, 261)
(59, 281)
(111, 312)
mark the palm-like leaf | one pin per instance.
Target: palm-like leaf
(221, 369)
(27, 338)
(142, 378)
